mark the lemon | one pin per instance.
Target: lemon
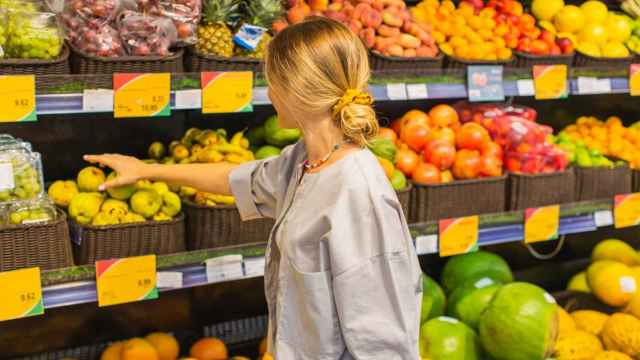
(615, 50)
(546, 9)
(618, 28)
(569, 19)
(590, 49)
(593, 33)
(595, 12)
(547, 25)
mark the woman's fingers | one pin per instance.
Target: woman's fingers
(105, 160)
(113, 183)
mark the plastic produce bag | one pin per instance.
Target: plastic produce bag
(185, 15)
(94, 12)
(29, 6)
(145, 35)
(35, 211)
(103, 42)
(3, 32)
(32, 36)
(20, 174)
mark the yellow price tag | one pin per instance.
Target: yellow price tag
(227, 92)
(626, 210)
(550, 81)
(141, 95)
(541, 224)
(458, 236)
(126, 280)
(634, 80)
(17, 98)
(21, 294)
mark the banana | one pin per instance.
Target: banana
(223, 199)
(229, 149)
(237, 138)
(244, 143)
(235, 158)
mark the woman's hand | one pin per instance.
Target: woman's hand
(128, 168)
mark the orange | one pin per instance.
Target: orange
(475, 22)
(112, 352)
(267, 357)
(458, 41)
(138, 349)
(488, 24)
(489, 13)
(444, 116)
(262, 349)
(209, 349)
(165, 344)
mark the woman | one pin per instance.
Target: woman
(342, 278)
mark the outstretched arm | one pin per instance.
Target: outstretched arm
(213, 178)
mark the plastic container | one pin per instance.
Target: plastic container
(32, 35)
(20, 174)
(36, 211)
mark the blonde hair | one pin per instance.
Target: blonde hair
(324, 68)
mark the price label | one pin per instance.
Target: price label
(626, 210)
(525, 87)
(17, 98)
(458, 236)
(97, 100)
(169, 279)
(21, 294)
(126, 280)
(224, 268)
(550, 81)
(541, 224)
(417, 91)
(141, 95)
(227, 92)
(603, 218)
(396, 92)
(591, 85)
(634, 80)
(188, 99)
(484, 83)
(254, 266)
(427, 244)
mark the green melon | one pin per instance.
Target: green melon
(474, 266)
(468, 301)
(445, 338)
(520, 323)
(433, 300)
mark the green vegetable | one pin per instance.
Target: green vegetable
(256, 135)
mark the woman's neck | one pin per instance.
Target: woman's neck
(320, 138)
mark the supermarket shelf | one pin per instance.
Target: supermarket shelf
(72, 286)
(50, 104)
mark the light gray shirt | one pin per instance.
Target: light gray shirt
(342, 278)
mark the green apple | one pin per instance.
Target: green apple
(121, 192)
(172, 204)
(146, 203)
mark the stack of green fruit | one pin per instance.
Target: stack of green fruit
(487, 314)
(268, 139)
(123, 205)
(634, 41)
(580, 155)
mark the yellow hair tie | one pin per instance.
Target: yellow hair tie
(352, 96)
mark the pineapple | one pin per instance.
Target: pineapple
(214, 35)
(260, 13)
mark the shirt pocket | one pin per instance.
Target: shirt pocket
(312, 316)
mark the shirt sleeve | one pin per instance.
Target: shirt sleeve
(259, 186)
(377, 296)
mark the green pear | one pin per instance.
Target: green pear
(172, 204)
(115, 207)
(121, 192)
(160, 187)
(146, 203)
(144, 185)
(61, 192)
(90, 178)
(84, 206)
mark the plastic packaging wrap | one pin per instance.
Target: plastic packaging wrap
(185, 15)
(145, 35)
(103, 42)
(3, 32)
(94, 12)
(24, 5)
(38, 210)
(20, 174)
(32, 35)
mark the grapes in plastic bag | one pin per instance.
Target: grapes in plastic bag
(144, 35)
(32, 36)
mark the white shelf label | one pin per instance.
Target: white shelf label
(188, 99)
(224, 268)
(254, 267)
(417, 91)
(97, 100)
(396, 92)
(169, 279)
(603, 218)
(525, 87)
(427, 244)
(591, 85)
(261, 95)
(6, 177)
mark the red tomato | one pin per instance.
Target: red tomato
(472, 136)
(426, 174)
(467, 164)
(444, 134)
(414, 116)
(539, 47)
(491, 166)
(387, 133)
(547, 36)
(443, 116)
(415, 135)
(492, 149)
(406, 161)
(441, 154)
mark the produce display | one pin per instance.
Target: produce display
(122, 205)
(184, 14)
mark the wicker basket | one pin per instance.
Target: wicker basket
(458, 198)
(584, 60)
(93, 243)
(212, 227)
(600, 183)
(57, 66)
(197, 62)
(82, 63)
(45, 245)
(404, 196)
(635, 180)
(452, 62)
(524, 60)
(383, 63)
(533, 190)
